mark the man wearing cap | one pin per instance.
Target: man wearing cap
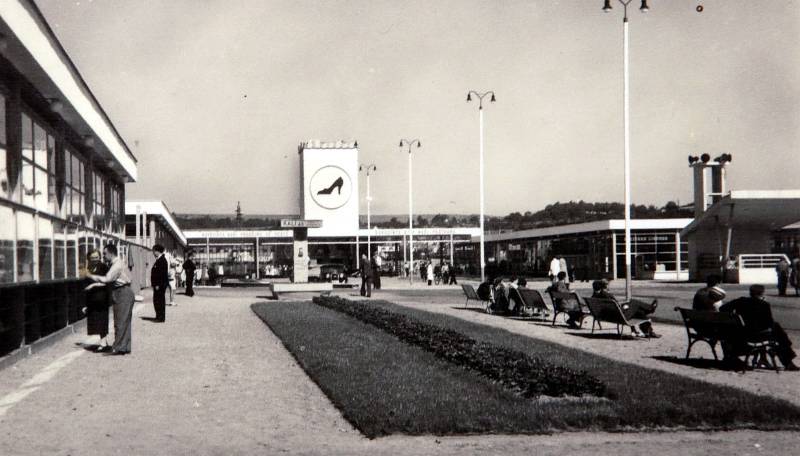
(122, 299)
(159, 280)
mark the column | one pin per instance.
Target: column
(614, 254)
(258, 267)
(677, 255)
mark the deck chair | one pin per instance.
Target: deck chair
(567, 302)
(607, 310)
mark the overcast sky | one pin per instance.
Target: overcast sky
(214, 96)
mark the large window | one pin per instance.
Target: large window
(99, 198)
(36, 176)
(4, 190)
(59, 248)
(45, 249)
(6, 244)
(75, 187)
(26, 231)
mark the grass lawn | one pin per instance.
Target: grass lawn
(385, 386)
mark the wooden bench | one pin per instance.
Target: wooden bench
(530, 299)
(564, 302)
(609, 311)
(472, 295)
(714, 327)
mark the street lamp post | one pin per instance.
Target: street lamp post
(369, 169)
(480, 166)
(409, 144)
(626, 121)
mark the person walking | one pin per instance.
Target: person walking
(97, 300)
(452, 273)
(122, 299)
(366, 276)
(555, 268)
(172, 282)
(159, 279)
(782, 269)
(189, 268)
(429, 273)
(794, 276)
(562, 267)
(376, 270)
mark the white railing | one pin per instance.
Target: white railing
(759, 267)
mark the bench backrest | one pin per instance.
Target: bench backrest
(606, 310)
(711, 324)
(470, 292)
(565, 301)
(532, 298)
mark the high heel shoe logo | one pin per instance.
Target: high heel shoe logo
(337, 184)
(330, 187)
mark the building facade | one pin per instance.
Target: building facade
(63, 170)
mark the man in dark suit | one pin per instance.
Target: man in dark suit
(159, 279)
(756, 314)
(366, 276)
(189, 267)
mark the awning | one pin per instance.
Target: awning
(752, 210)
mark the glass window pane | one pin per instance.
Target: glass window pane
(76, 203)
(67, 167)
(76, 176)
(40, 194)
(40, 145)
(6, 245)
(3, 171)
(45, 249)
(85, 245)
(59, 250)
(28, 188)
(27, 137)
(72, 269)
(25, 234)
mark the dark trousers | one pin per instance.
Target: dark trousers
(377, 280)
(366, 286)
(785, 352)
(783, 281)
(122, 300)
(160, 302)
(189, 284)
(453, 280)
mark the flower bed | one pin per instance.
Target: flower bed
(526, 375)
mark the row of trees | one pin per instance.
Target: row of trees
(553, 214)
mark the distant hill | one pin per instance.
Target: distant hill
(552, 215)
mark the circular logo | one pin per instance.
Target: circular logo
(330, 187)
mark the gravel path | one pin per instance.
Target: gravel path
(214, 380)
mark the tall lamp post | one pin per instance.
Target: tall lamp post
(626, 121)
(409, 145)
(369, 169)
(480, 165)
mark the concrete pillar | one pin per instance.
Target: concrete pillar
(152, 233)
(614, 254)
(677, 255)
(258, 268)
(138, 226)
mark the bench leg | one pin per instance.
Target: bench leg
(593, 323)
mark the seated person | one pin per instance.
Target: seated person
(572, 308)
(515, 305)
(756, 314)
(500, 294)
(709, 298)
(632, 309)
(485, 290)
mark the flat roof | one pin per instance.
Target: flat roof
(160, 209)
(588, 227)
(751, 209)
(34, 50)
(234, 234)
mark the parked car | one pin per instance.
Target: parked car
(331, 272)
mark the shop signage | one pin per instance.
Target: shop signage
(298, 223)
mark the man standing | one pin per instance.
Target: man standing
(376, 270)
(122, 299)
(159, 279)
(783, 276)
(189, 267)
(366, 276)
(756, 314)
(555, 268)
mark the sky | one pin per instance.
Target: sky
(213, 96)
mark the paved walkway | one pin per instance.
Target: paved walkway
(214, 380)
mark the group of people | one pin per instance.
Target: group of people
(756, 314)
(788, 275)
(108, 283)
(370, 270)
(444, 272)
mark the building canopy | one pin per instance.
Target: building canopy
(750, 210)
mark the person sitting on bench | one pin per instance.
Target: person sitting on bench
(709, 298)
(561, 286)
(632, 309)
(756, 313)
(515, 305)
(500, 293)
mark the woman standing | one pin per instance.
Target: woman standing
(97, 302)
